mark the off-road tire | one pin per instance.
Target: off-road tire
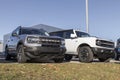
(7, 55)
(21, 58)
(58, 60)
(103, 59)
(85, 54)
(68, 57)
(116, 56)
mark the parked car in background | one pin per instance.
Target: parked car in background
(29, 43)
(84, 46)
(117, 50)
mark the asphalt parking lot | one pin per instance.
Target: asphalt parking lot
(74, 60)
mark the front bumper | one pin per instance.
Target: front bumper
(41, 52)
(103, 53)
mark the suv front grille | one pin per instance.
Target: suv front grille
(50, 42)
(104, 43)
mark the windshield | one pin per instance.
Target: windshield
(34, 31)
(82, 34)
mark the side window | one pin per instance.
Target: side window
(16, 32)
(64, 34)
(60, 34)
(67, 34)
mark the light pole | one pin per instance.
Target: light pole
(87, 23)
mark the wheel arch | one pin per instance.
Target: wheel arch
(6, 46)
(81, 45)
(19, 43)
(90, 54)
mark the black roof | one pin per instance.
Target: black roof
(62, 30)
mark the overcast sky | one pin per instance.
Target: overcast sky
(104, 15)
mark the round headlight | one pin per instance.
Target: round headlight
(98, 42)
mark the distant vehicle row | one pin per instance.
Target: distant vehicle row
(30, 43)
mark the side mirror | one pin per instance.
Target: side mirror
(14, 34)
(73, 36)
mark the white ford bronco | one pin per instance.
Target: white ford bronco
(84, 46)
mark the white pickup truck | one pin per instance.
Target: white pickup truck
(84, 46)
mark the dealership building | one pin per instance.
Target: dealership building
(39, 26)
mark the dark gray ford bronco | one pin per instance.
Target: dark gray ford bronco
(28, 43)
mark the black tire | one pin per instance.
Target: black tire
(102, 59)
(85, 54)
(68, 57)
(7, 55)
(58, 60)
(21, 58)
(116, 56)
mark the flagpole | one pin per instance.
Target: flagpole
(87, 23)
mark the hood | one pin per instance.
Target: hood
(97, 38)
(54, 37)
